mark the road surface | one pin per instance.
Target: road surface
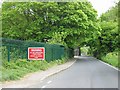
(86, 72)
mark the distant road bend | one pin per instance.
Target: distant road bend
(86, 72)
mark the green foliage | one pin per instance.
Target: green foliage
(111, 14)
(18, 69)
(72, 24)
(67, 23)
(107, 39)
(84, 50)
(111, 58)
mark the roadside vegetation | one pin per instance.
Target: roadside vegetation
(105, 47)
(71, 24)
(18, 69)
(112, 59)
(66, 23)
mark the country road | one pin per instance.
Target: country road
(86, 72)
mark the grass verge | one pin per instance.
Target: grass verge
(18, 69)
(112, 59)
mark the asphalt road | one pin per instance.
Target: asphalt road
(86, 72)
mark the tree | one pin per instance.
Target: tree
(107, 40)
(68, 23)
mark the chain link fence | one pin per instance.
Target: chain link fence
(13, 50)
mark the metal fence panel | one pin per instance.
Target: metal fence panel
(13, 50)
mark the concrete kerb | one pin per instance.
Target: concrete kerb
(27, 80)
(108, 64)
(59, 70)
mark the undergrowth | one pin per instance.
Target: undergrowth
(18, 69)
(112, 59)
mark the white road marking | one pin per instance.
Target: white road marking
(109, 65)
(49, 82)
(43, 86)
(46, 85)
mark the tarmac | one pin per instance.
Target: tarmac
(32, 78)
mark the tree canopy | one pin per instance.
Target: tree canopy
(69, 23)
(108, 39)
(72, 24)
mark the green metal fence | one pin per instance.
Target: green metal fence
(16, 49)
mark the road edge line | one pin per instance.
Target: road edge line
(109, 65)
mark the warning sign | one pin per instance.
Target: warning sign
(36, 53)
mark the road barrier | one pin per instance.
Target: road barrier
(13, 50)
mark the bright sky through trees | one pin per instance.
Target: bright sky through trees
(102, 5)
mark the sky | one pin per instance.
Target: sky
(0, 3)
(102, 5)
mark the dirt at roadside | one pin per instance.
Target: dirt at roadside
(33, 78)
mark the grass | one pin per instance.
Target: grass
(18, 69)
(112, 59)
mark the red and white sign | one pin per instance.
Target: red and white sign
(36, 53)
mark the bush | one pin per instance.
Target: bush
(19, 68)
(111, 58)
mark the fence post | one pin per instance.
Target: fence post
(8, 53)
(21, 52)
(52, 54)
(27, 54)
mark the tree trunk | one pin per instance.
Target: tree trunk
(79, 51)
